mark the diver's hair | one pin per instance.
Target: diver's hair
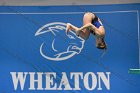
(102, 45)
(104, 49)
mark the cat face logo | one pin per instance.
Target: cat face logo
(58, 46)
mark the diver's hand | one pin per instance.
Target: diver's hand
(78, 32)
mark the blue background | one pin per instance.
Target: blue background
(19, 48)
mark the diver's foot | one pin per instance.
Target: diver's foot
(68, 27)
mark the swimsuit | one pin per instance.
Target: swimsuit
(96, 22)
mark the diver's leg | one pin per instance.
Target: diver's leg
(87, 24)
(71, 27)
(98, 31)
(83, 34)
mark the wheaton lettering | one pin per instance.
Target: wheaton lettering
(52, 81)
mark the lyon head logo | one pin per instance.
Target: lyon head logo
(56, 45)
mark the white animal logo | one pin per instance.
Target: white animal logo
(58, 46)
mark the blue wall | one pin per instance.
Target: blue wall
(19, 47)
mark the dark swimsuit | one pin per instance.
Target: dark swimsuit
(96, 23)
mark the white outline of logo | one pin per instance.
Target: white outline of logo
(58, 55)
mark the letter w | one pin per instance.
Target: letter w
(18, 78)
